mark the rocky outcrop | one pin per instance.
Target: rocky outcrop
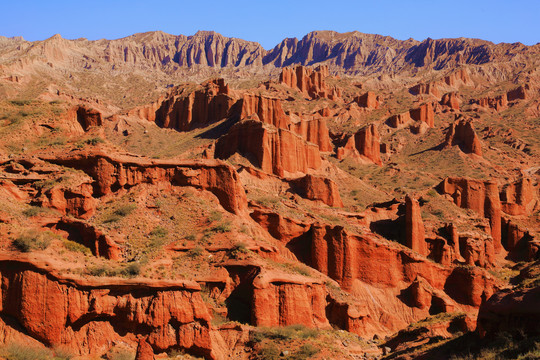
(480, 196)
(309, 81)
(520, 93)
(424, 113)
(318, 188)
(399, 120)
(519, 197)
(458, 78)
(113, 172)
(364, 144)
(144, 351)
(498, 103)
(88, 317)
(186, 111)
(511, 311)
(288, 300)
(414, 227)
(268, 110)
(76, 201)
(273, 150)
(426, 89)
(85, 234)
(315, 131)
(462, 134)
(87, 117)
(451, 100)
(368, 100)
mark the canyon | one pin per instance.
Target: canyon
(351, 194)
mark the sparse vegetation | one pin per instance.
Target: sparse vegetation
(76, 247)
(33, 240)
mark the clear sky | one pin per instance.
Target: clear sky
(268, 22)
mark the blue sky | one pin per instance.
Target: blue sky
(268, 22)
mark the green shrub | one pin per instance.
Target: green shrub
(158, 231)
(195, 252)
(125, 210)
(95, 141)
(17, 351)
(32, 241)
(120, 213)
(33, 211)
(305, 352)
(21, 102)
(131, 270)
(222, 228)
(238, 249)
(215, 216)
(190, 237)
(76, 247)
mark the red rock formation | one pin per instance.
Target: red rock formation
(288, 300)
(318, 188)
(513, 234)
(280, 227)
(112, 172)
(308, 81)
(368, 100)
(498, 103)
(77, 201)
(364, 143)
(480, 196)
(86, 116)
(424, 113)
(451, 100)
(427, 89)
(268, 110)
(144, 351)
(477, 251)
(518, 198)
(273, 150)
(314, 131)
(520, 93)
(83, 233)
(511, 311)
(399, 120)
(88, 317)
(462, 134)
(460, 77)
(414, 227)
(199, 108)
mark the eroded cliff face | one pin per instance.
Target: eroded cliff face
(111, 173)
(88, 317)
(273, 150)
(199, 108)
(480, 196)
(462, 134)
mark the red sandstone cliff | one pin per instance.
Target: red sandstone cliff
(462, 134)
(273, 150)
(480, 196)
